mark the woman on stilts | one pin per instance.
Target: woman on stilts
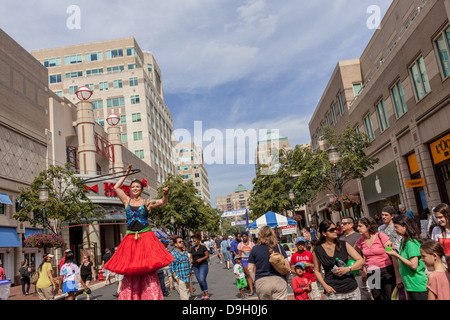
(140, 254)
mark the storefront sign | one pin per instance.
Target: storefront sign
(413, 164)
(381, 184)
(288, 230)
(440, 149)
(415, 183)
(109, 189)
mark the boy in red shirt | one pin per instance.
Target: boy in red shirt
(300, 284)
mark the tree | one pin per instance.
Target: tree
(68, 201)
(189, 212)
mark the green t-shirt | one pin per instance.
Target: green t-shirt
(413, 280)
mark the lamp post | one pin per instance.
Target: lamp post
(43, 198)
(292, 197)
(333, 158)
(172, 222)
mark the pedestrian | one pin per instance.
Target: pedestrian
(24, 273)
(162, 283)
(441, 233)
(411, 267)
(423, 223)
(180, 269)
(410, 214)
(432, 222)
(218, 242)
(378, 264)
(244, 249)
(140, 254)
(69, 276)
(199, 259)
(301, 285)
(438, 284)
(350, 236)
(87, 272)
(171, 244)
(241, 282)
(387, 216)
(226, 253)
(46, 285)
(2, 272)
(401, 209)
(339, 283)
(106, 257)
(313, 232)
(234, 245)
(63, 258)
(269, 283)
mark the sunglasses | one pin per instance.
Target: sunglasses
(344, 223)
(332, 230)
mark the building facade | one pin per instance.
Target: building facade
(398, 92)
(126, 81)
(191, 166)
(238, 199)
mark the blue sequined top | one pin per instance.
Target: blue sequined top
(136, 217)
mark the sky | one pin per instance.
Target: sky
(254, 65)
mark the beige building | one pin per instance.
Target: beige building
(190, 165)
(126, 81)
(238, 199)
(268, 148)
(398, 92)
(38, 129)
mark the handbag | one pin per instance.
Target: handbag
(34, 277)
(399, 294)
(278, 261)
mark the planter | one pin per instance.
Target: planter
(348, 201)
(44, 241)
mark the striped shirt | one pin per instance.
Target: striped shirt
(181, 265)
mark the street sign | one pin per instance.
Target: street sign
(415, 183)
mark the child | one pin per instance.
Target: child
(68, 277)
(300, 284)
(240, 276)
(438, 285)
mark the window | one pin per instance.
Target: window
(357, 88)
(100, 121)
(73, 89)
(382, 116)
(74, 74)
(124, 137)
(132, 66)
(2, 208)
(197, 184)
(90, 86)
(59, 93)
(135, 99)
(94, 72)
(53, 62)
(131, 51)
(334, 113)
(73, 59)
(340, 98)
(398, 97)
(133, 82)
(116, 53)
(103, 85)
(443, 48)
(149, 67)
(420, 79)
(54, 78)
(139, 154)
(369, 127)
(123, 119)
(115, 102)
(117, 84)
(136, 117)
(95, 56)
(97, 104)
(137, 135)
(115, 69)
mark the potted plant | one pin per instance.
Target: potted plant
(44, 241)
(348, 200)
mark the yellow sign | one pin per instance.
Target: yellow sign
(415, 183)
(440, 149)
(413, 165)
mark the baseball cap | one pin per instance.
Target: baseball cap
(48, 255)
(237, 257)
(300, 239)
(67, 250)
(300, 264)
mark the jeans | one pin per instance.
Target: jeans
(26, 281)
(162, 282)
(200, 273)
(418, 295)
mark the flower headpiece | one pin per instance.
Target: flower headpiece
(144, 183)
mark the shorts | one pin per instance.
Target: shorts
(86, 277)
(106, 272)
(241, 283)
(119, 277)
(244, 262)
(69, 286)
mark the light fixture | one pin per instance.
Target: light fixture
(84, 93)
(333, 155)
(43, 194)
(291, 195)
(113, 119)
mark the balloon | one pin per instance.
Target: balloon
(350, 263)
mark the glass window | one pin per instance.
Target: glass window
(100, 121)
(130, 51)
(115, 69)
(116, 53)
(369, 127)
(398, 97)
(73, 89)
(149, 67)
(132, 66)
(420, 79)
(54, 78)
(53, 62)
(443, 47)
(133, 82)
(95, 56)
(115, 102)
(124, 137)
(135, 99)
(357, 88)
(73, 59)
(137, 135)
(103, 85)
(123, 119)
(334, 113)
(136, 117)
(340, 99)
(74, 74)
(382, 115)
(97, 104)
(94, 72)
(139, 154)
(117, 84)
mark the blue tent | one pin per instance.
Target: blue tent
(273, 220)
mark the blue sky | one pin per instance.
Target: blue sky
(232, 64)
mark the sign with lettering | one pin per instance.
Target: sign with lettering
(440, 149)
(109, 189)
(415, 183)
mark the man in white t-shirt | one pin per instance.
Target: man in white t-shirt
(387, 215)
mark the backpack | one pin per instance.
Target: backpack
(34, 277)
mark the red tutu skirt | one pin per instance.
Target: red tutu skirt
(139, 256)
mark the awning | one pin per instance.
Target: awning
(273, 220)
(29, 232)
(4, 198)
(9, 238)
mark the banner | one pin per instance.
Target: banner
(235, 213)
(288, 230)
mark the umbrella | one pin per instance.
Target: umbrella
(273, 220)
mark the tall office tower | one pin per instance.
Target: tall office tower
(125, 81)
(236, 200)
(190, 166)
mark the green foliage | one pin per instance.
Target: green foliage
(188, 210)
(68, 201)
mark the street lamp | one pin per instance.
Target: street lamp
(43, 198)
(333, 158)
(292, 197)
